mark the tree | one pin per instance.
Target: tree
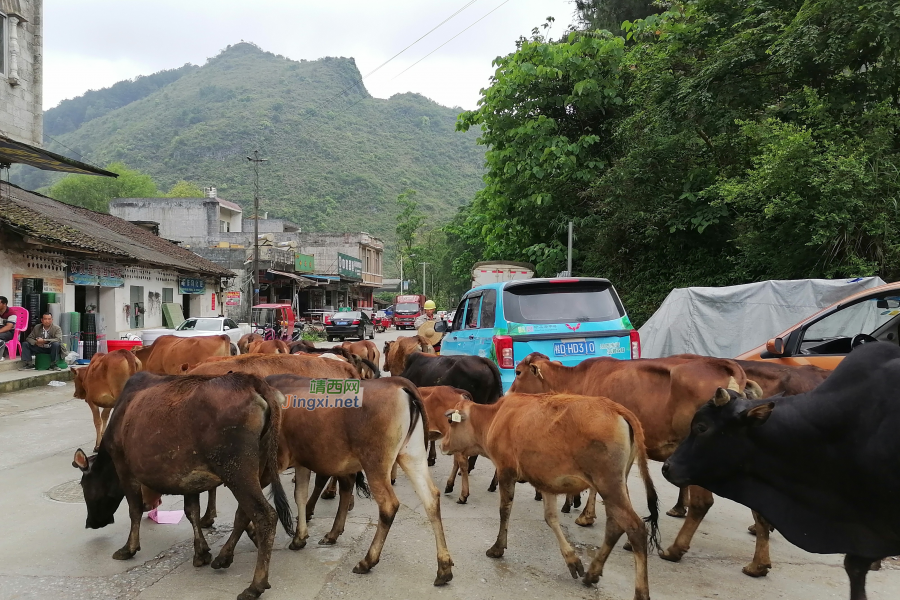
(610, 14)
(185, 189)
(408, 221)
(95, 192)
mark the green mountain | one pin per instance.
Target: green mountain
(337, 157)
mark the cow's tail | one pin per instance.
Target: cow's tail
(362, 488)
(375, 370)
(416, 412)
(274, 400)
(497, 387)
(652, 521)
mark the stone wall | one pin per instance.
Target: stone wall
(21, 113)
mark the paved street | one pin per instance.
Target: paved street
(45, 551)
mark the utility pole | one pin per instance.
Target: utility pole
(423, 276)
(256, 160)
(569, 262)
(401, 272)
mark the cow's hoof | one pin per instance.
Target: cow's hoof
(96, 449)
(124, 553)
(251, 593)
(431, 462)
(567, 508)
(462, 500)
(222, 562)
(448, 489)
(492, 488)
(583, 521)
(327, 541)
(443, 578)
(393, 481)
(297, 544)
(207, 523)
(495, 552)
(576, 568)
(627, 547)
(361, 568)
(327, 495)
(875, 566)
(671, 554)
(677, 511)
(204, 558)
(576, 502)
(756, 570)
(590, 580)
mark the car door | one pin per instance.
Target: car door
(453, 341)
(481, 329)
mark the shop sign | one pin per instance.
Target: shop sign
(89, 272)
(232, 298)
(349, 267)
(191, 285)
(304, 263)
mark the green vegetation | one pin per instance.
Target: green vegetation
(715, 143)
(95, 192)
(337, 158)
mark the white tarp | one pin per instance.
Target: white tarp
(727, 321)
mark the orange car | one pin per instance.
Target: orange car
(825, 338)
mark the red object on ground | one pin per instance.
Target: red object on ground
(112, 345)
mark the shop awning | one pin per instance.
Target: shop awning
(13, 152)
(297, 278)
(323, 277)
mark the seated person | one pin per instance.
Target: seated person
(7, 324)
(45, 338)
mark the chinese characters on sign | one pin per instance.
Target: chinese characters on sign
(232, 298)
(327, 393)
(304, 263)
(191, 285)
(349, 267)
(89, 272)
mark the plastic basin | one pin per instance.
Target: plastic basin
(113, 345)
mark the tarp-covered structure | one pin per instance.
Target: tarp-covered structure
(727, 321)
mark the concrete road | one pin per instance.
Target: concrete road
(45, 551)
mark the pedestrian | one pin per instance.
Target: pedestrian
(45, 338)
(428, 315)
(7, 324)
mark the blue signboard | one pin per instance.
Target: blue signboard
(191, 285)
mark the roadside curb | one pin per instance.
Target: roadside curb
(32, 379)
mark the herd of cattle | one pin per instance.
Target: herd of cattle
(813, 453)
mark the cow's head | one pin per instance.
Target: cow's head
(387, 356)
(80, 391)
(460, 436)
(100, 484)
(719, 443)
(530, 375)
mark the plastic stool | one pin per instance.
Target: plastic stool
(41, 362)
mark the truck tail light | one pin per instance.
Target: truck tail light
(503, 347)
(635, 338)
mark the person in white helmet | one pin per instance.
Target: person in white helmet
(428, 316)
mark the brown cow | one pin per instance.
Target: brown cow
(367, 369)
(563, 444)
(100, 383)
(274, 364)
(438, 400)
(364, 349)
(187, 435)
(395, 352)
(245, 341)
(783, 379)
(268, 347)
(663, 393)
(169, 352)
(388, 426)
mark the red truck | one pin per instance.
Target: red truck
(406, 309)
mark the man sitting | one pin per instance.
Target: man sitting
(43, 339)
(7, 324)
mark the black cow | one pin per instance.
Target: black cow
(187, 435)
(475, 374)
(822, 467)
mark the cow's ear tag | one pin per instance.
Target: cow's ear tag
(456, 417)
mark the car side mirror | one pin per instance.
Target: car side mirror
(441, 326)
(775, 346)
(225, 328)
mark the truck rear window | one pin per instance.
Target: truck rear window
(562, 302)
(406, 308)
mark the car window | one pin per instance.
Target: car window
(189, 324)
(472, 310)
(488, 308)
(231, 323)
(458, 315)
(571, 301)
(208, 325)
(866, 317)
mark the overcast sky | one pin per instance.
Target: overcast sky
(91, 44)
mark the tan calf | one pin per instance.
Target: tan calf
(100, 383)
(388, 427)
(364, 349)
(268, 347)
(438, 400)
(563, 444)
(169, 352)
(395, 352)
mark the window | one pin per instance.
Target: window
(472, 312)
(3, 43)
(488, 308)
(458, 315)
(224, 226)
(168, 295)
(231, 324)
(561, 302)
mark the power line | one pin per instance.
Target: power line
(447, 42)
(75, 152)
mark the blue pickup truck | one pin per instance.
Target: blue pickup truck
(568, 319)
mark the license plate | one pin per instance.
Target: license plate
(574, 348)
(341, 322)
